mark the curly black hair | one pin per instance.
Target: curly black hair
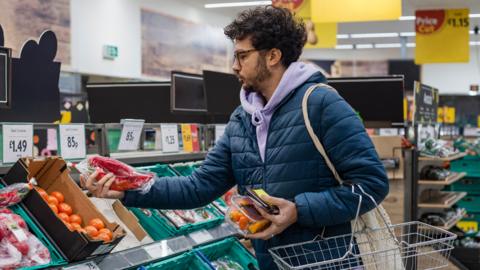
(270, 27)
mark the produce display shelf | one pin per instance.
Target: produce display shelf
(450, 158)
(454, 177)
(150, 157)
(444, 204)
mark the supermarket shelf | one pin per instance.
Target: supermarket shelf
(454, 177)
(453, 221)
(450, 158)
(135, 257)
(443, 205)
(146, 157)
(4, 168)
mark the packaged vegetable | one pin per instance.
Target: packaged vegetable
(181, 218)
(225, 263)
(244, 216)
(126, 177)
(14, 194)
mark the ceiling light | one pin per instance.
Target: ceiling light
(238, 4)
(374, 35)
(344, 47)
(474, 43)
(474, 15)
(343, 36)
(388, 45)
(407, 34)
(364, 46)
(411, 45)
(407, 18)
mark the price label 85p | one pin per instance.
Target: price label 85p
(72, 141)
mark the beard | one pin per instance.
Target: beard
(262, 74)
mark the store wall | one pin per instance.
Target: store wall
(117, 22)
(360, 54)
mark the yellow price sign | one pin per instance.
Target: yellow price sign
(449, 115)
(442, 36)
(187, 138)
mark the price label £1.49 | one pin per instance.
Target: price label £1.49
(17, 142)
(72, 141)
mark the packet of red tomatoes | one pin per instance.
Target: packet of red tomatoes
(19, 247)
(14, 194)
(126, 177)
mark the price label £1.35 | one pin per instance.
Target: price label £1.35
(72, 141)
(17, 142)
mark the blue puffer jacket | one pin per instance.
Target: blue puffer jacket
(293, 169)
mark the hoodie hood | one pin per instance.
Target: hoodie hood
(253, 103)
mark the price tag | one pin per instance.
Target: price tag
(201, 236)
(169, 137)
(187, 138)
(131, 132)
(83, 266)
(158, 250)
(219, 130)
(17, 142)
(72, 141)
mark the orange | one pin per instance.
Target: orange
(97, 223)
(75, 226)
(91, 231)
(58, 195)
(52, 200)
(243, 222)
(42, 192)
(76, 219)
(65, 208)
(69, 226)
(235, 215)
(64, 217)
(106, 231)
(82, 230)
(54, 208)
(104, 237)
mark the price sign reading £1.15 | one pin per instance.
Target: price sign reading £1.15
(169, 137)
(131, 132)
(72, 141)
(17, 142)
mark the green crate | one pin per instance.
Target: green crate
(113, 136)
(230, 247)
(56, 259)
(186, 261)
(152, 223)
(470, 185)
(468, 164)
(183, 169)
(470, 202)
(160, 170)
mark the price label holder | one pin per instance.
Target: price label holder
(91, 265)
(169, 138)
(17, 142)
(72, 141)
(158, 250)
(131, 133)
(200, 237)
(219, 130)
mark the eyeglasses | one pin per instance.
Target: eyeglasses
(240, 56)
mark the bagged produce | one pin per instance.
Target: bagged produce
(226, 263)
(13, 194)
(180, 218)
(19, 247)
(243, 215)
(126, 177)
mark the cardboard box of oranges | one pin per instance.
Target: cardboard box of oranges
(60, 207)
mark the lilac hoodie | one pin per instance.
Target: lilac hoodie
(253, 103)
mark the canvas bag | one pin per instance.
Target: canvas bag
(370, 247)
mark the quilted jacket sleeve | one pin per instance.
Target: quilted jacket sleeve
(352, 152)
(207, 183)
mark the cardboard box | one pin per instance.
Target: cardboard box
(52, 174)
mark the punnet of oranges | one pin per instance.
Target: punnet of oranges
(94, 228)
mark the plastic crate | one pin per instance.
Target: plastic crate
(183, 169)
(470, 202)
(228, 247)
(468, 164)
(159, 169)
(56, 259)
(153, 223)
(470, 185)
(186, 261)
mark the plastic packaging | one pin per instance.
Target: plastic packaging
(180, 218)
(126, 177)
(244, 216)
(226, 263)
(13, 194)
(19, 247)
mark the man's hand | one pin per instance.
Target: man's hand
(286, 217)
(101, 188)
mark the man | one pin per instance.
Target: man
(266, 144)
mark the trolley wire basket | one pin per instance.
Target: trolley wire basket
(413, 245)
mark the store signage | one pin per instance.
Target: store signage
(187, 138)
(327, 11)
(169, 137)
(158, 250)
(426, 104)
(195, 138)
(72, 141)
(442, 36)
(110, 52)
(17, 142)
(131, 133)
(200, 237)
(321, 35)
(91, 265)
(219, 130)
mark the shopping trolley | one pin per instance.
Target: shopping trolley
(413, 245)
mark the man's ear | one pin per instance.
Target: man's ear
(274, 57)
